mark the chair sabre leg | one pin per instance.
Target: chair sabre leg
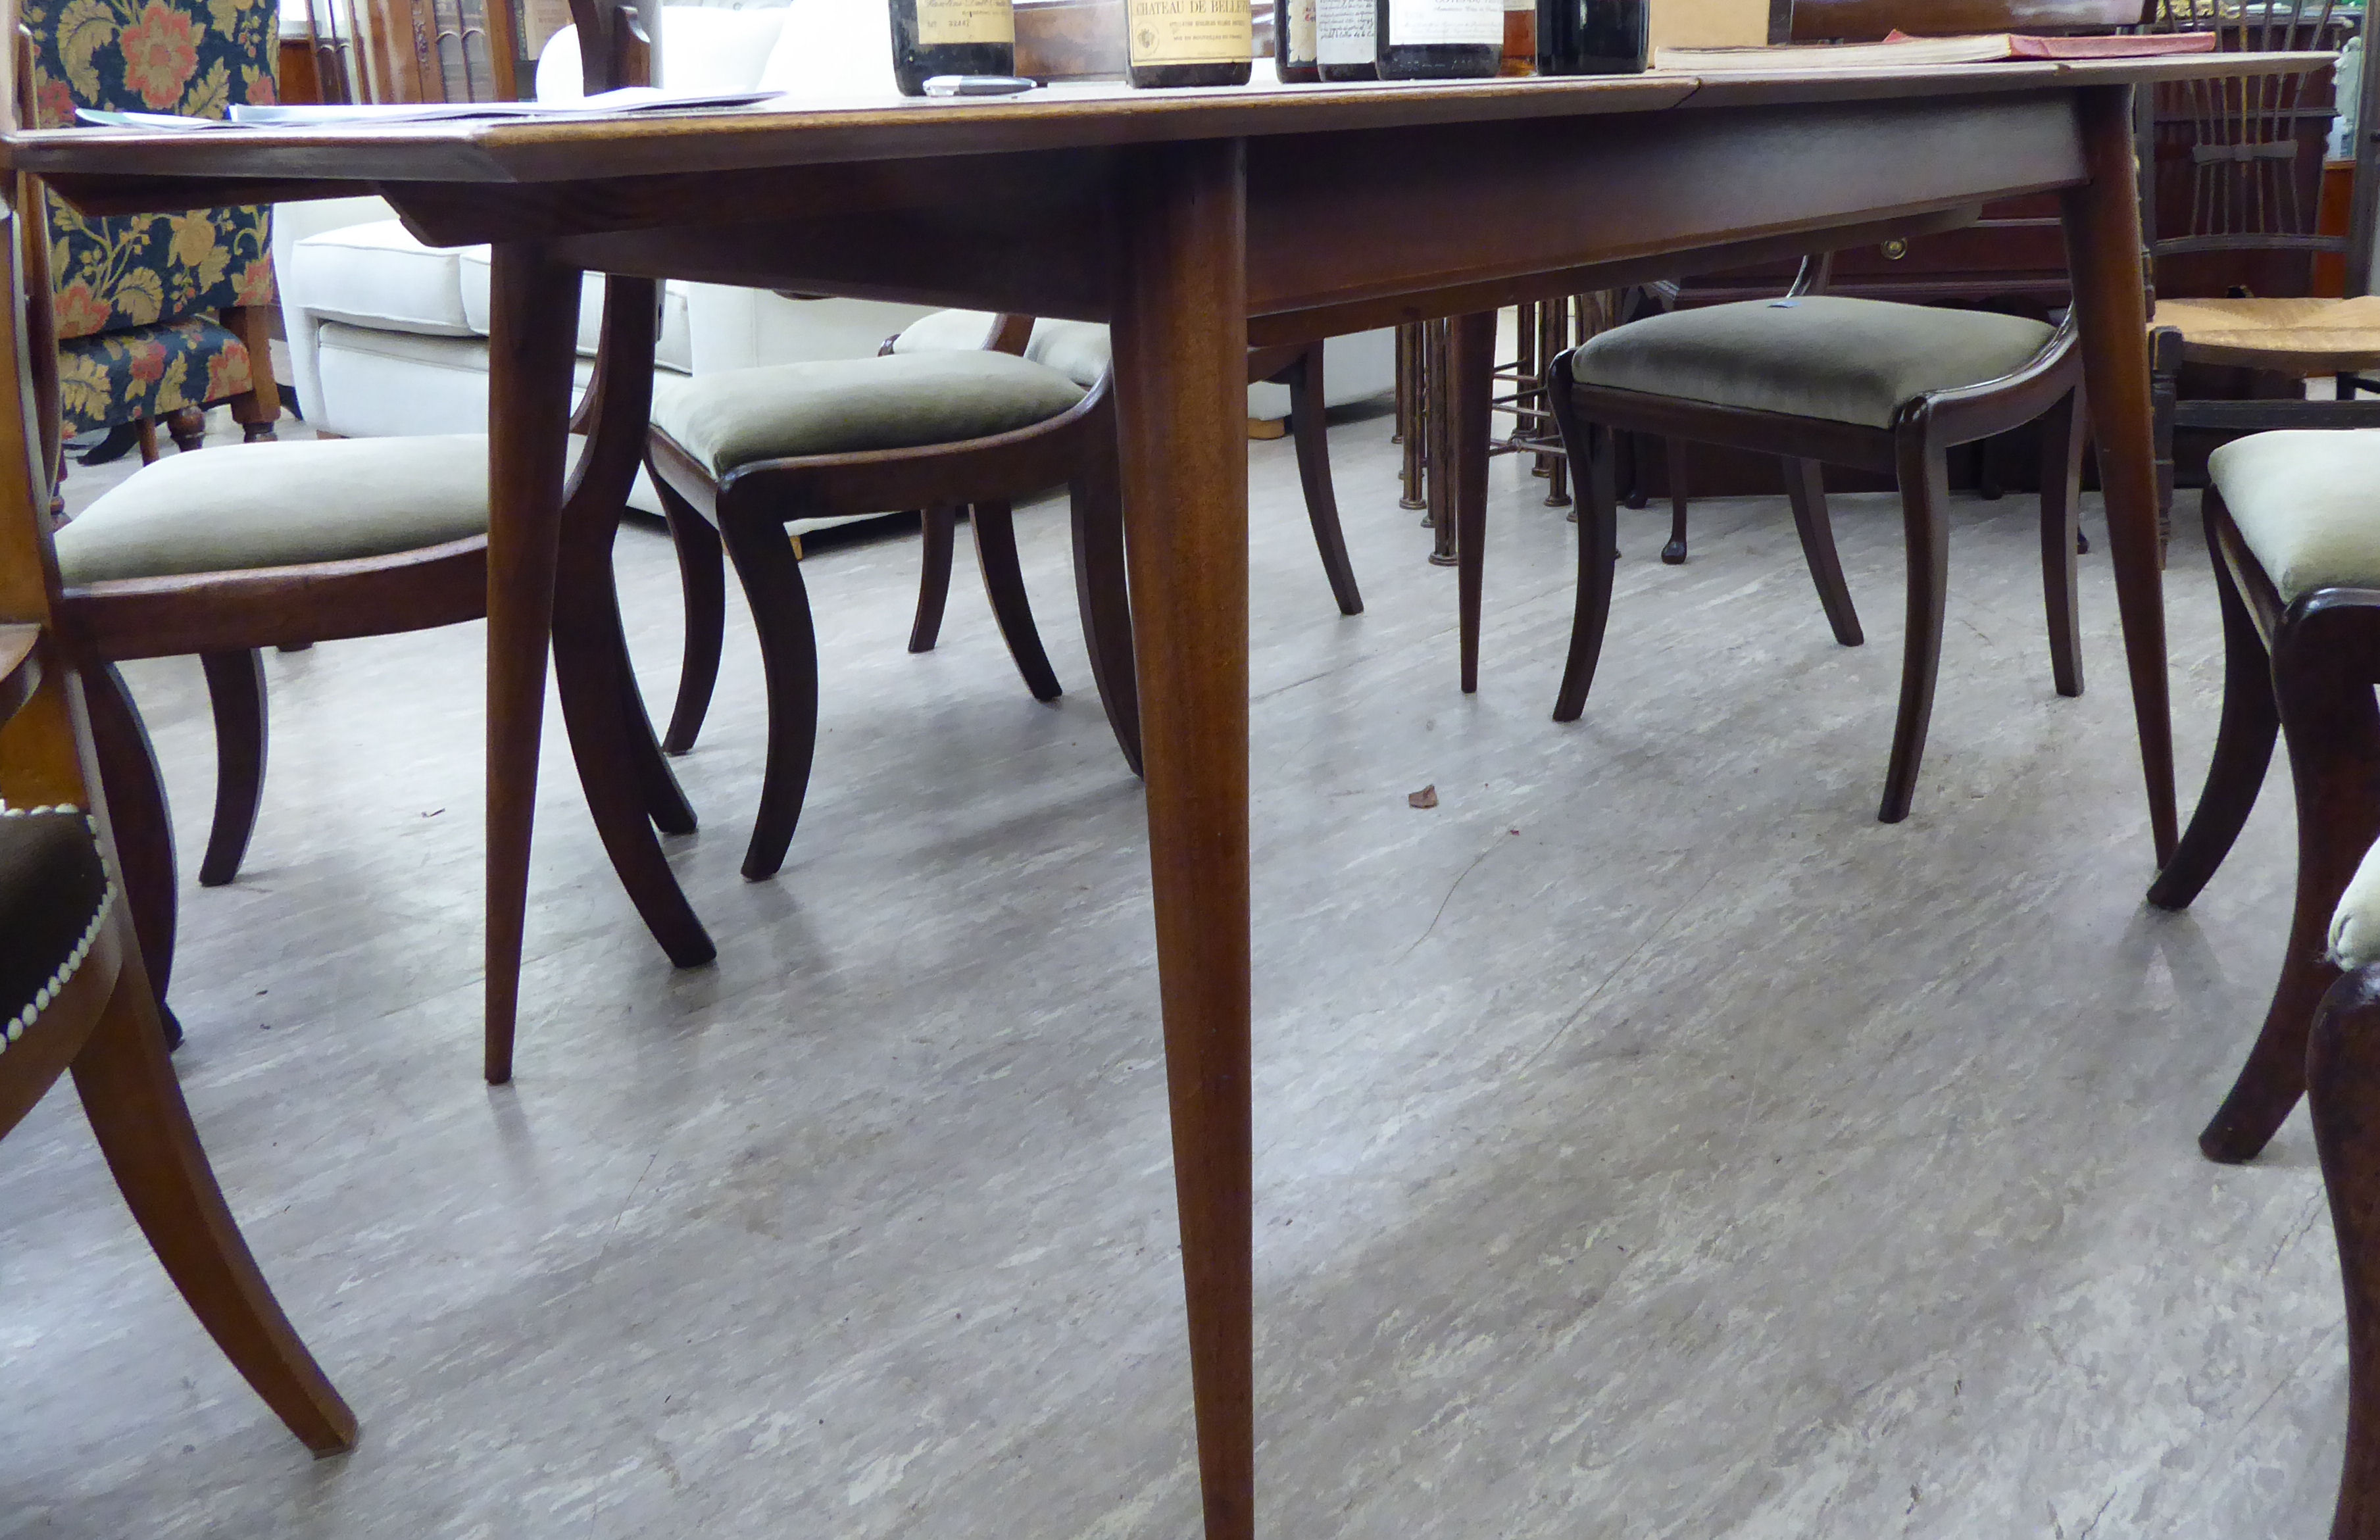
(143, 824)
(1309, 422)
(1926, 517)
(939, 525)
(1003, 584)
(1805, 486)
(702, 578)
(1598, 538)
(236, 692)
(771, 575)
(1102, 591)
(1673, 453)
(2343, 1095)
(2063, 431)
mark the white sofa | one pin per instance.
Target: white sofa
(389, 337)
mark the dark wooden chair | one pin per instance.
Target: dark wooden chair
(2342, 1071)
(74, 995)
(2253, 162)
(746, 451)
(2294, 528)
(1817, 379)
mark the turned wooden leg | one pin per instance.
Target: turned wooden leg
(1469, 398)
(702, 580)
(1179, 290)
(188, 427)
(2343, 1096)
(771, 575)
(2062, 432)
(940, 525)
(1925, 520)
(531, 348)
(1003, 583)
(1805, 487)
(134, 1102)
(2323, 681)
(2103, 243)
(1101, 594)
(1674, 452)
(236, 692)
(2243, 741)
(1309, 421)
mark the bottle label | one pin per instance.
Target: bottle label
(1477, 22)
(966, 21)
(1302, 20)
(1342, 31)
(1191, 32)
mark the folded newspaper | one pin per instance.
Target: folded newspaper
(637, 99)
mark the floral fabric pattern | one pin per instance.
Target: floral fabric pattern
(132, 283)
(149, 371)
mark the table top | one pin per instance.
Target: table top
(792, 131)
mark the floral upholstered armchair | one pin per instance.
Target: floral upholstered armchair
(157, 314)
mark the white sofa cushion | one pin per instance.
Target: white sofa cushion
(377, 275)
(671, 350)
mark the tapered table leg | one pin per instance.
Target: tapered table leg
(1180, 384)
(532, 345)
(1470, 398)
(2103, 244)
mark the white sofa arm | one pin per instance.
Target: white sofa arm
(291, 223)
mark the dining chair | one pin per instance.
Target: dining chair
(1818, 379)
(2254, 158)
(74, 997)
(2342, 1071)
(2293, 526)
(748, 451)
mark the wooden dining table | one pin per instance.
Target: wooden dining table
(1196, 223)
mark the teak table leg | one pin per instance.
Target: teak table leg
(1470, 398)
(1181, 384)
(531, 347)
(2103, 245)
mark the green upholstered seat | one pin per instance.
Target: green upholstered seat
(734, 417)
(1819, 356)
(53, 893)
(1077, 349)
(2307, 502)
(243, 506)
(2355, 925)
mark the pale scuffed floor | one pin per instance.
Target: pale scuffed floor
(1649, 1143)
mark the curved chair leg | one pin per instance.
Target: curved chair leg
(1598, 539)
(1926, 517)
(2063, 431)
(2333, 732)
(1673, 452)
(2343, 1095)
(235, 691)
(137, 810)
(2243, 746)
(1003, 581)
(1310, 426)
(781, 614)
(702, 578)
(1101, 594)
(939, 525)
(1805, 485)
(136, 1109)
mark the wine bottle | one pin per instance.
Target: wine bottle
(951, 37)
(1342, 40)
(1293, 40)
(1189, 43)
(1520, 38)
(1591, 37)
(1438, 40)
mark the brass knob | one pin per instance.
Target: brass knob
(1895, 250)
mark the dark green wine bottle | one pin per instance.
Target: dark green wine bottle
(1342, 40)
(951, 37)
(1438, 40)
(1188, 42)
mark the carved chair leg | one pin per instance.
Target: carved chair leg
(2323, 683)
(134, 1102)
(2343, 1096)
(1003, 583)
(235, 691)
(771, 575)
(1101, 594)
(1677, 463)
(940, 525)
(1599, 542)
(1925, 475)
(137, 809)
(189, 428)
(1309, 423)
(1805, 486)
(2243, 744)
(147, 428)
(702, 580)
(2063, 431)
(258, 408)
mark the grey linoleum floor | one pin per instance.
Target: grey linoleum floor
(1648, 1143)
